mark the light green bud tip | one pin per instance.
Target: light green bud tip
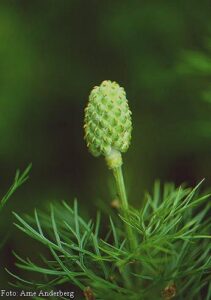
(107, 123)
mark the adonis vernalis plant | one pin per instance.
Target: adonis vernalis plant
(159, 251)
(19, 179)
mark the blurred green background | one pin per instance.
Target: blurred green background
(51, 55)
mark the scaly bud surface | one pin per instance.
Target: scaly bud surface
(108, 123)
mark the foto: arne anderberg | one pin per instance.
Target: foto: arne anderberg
(40, 293)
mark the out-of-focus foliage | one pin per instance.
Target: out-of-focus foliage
(53, 52)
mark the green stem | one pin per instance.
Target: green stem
(124, 204)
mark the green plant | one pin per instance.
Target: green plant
(159, 251)
(18, 181)
(108, 129)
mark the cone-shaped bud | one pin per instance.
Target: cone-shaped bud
(107, 120)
